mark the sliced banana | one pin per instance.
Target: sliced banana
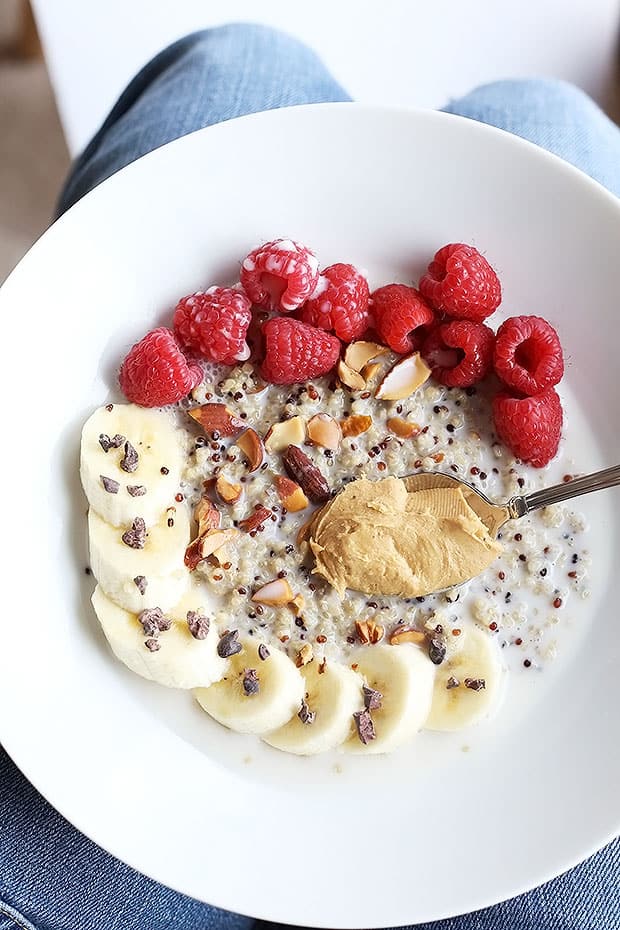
(477, 662)
(332, 696)
(270, 704)
(158, 567)
(403, 675)
(180, 661)
(149, 480)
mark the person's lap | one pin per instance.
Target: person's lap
(53, 876)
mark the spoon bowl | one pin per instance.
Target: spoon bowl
(494, 515)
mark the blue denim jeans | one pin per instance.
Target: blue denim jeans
(52, 877)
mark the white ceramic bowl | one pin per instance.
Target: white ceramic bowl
(425, 833)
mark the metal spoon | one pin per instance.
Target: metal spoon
(495, 515)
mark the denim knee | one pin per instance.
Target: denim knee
(526, 96)
(234, 41)
(553, 114)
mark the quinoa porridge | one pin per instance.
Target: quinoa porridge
(543, 554)
(208, 488)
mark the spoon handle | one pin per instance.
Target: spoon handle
(519, 506)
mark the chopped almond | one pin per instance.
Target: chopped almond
(368, 372)
(359, 353)
(324, 431)
(252, 447)
(368, 631)
(217, 418)
(355, 425)
(283, 434)
(216, 539)
(230, 493)
(297, 604)
(404, 378)
(291, 494)
(206, 544)
(193, 554)
(304, 656)
(206, 515)
(275, 593)
(406, 635)
(255, 519)
(402, 428)
(351, 378)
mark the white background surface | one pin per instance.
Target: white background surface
(418, 52)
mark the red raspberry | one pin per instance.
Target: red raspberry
(295, 351)
(215, 323)
(460, 353)
(528, 355)
(339, 303)
(280, 275)
(398, 310)
(529, 426)
(155, 371)
(461, 283)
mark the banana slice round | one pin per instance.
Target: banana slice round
(256, 695)
(180, 661)
(149, 479)
(152, 576)
(455, 705)
(403, 675)
(332, 696)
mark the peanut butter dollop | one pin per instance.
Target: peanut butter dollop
(378, 538)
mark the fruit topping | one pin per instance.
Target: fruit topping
(214, 324)
(399, 310)
(460, 352)
(339, 303)
(461, 283)
(156, 373)
(528, 355)
(280, 275)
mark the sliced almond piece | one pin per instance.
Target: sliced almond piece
(275, 593)
(193, 554)
(297, 604)
(404, 378)
(355, 425)
(252, 447)
(351, 378)
(368, 372)
(216, 539)
(217, 418)
(206, 544)
(256, 519)
(206, 515)
(286, 433)
(402, 428)
(230, 493)
(406, 635)
(358, 353)
(324, 431)
(291, 494)
(304, 656)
